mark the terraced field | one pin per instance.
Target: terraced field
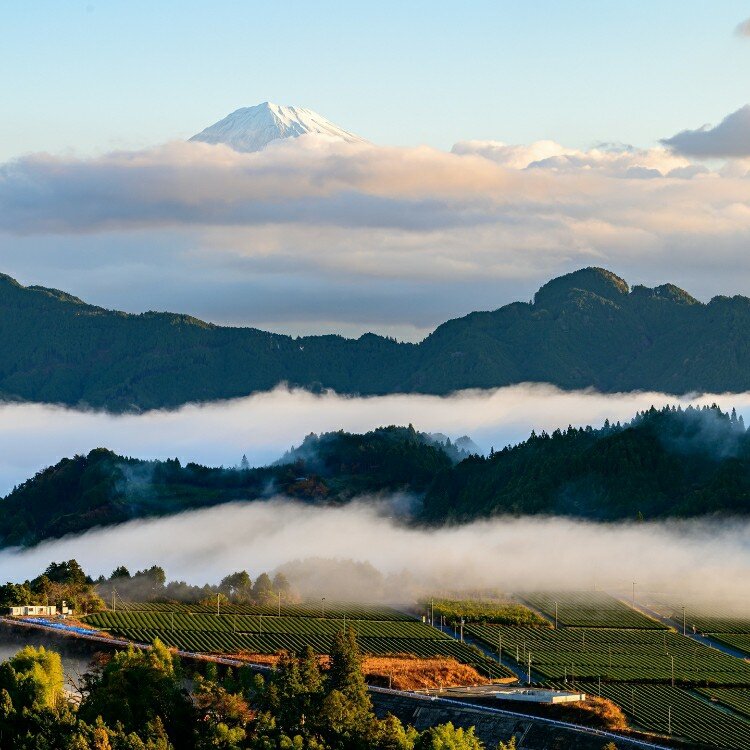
(316, 609)
(614, 655)
(731, 630)
(236, 623)
(738, 699)
(589, 609)
(603, 646)
(661, 708)
(739, 641)
(195, 629)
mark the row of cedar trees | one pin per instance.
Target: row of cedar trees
(145, 700)
(68, 581)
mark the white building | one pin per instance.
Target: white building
(537, 695)
(34, 610)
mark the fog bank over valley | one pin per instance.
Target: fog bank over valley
(263, 426)
(697, 561)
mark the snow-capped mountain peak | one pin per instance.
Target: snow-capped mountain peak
(253, 128)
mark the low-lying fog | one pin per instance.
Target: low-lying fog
(263, 426)
(692, 559)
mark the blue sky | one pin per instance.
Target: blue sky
(311, 238)
(91, 76)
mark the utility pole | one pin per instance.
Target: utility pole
(684, 630)
(323, 605)
(669, 719)
(279, 603)
(432, 612)
(529, 673)
(462, 630)
(555, 615)
(633, 594)
(499, 648)
(218, 604)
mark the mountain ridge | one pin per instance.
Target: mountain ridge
(586, 329)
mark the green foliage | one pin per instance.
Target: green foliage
(102, 488)
(135, 688)
(650, 707)
(448, 737)
(589, 609)
(32, 679)
(665, 463)
(199, 629)
(617, 655)
(15, 594)
(60, 582)
(137, 701)
(472, 610)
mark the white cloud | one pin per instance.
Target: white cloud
(729, 139)
(695, 560)
(613, 160)
(313, 233)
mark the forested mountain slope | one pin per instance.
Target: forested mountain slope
(586, 329)
(663, 464)
(102, 488)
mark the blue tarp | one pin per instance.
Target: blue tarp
(63, 626)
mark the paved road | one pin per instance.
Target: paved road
(517, 671)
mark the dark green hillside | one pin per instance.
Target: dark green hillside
(103, 488)
(663, 464)
(584, 329)
(667, 463)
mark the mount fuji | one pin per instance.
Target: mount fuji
(253, 128)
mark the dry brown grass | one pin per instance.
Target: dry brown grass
(593, 712)
(403, 671)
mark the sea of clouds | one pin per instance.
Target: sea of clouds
(362, 552)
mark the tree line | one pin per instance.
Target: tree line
(150, 700)
(67, 581)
